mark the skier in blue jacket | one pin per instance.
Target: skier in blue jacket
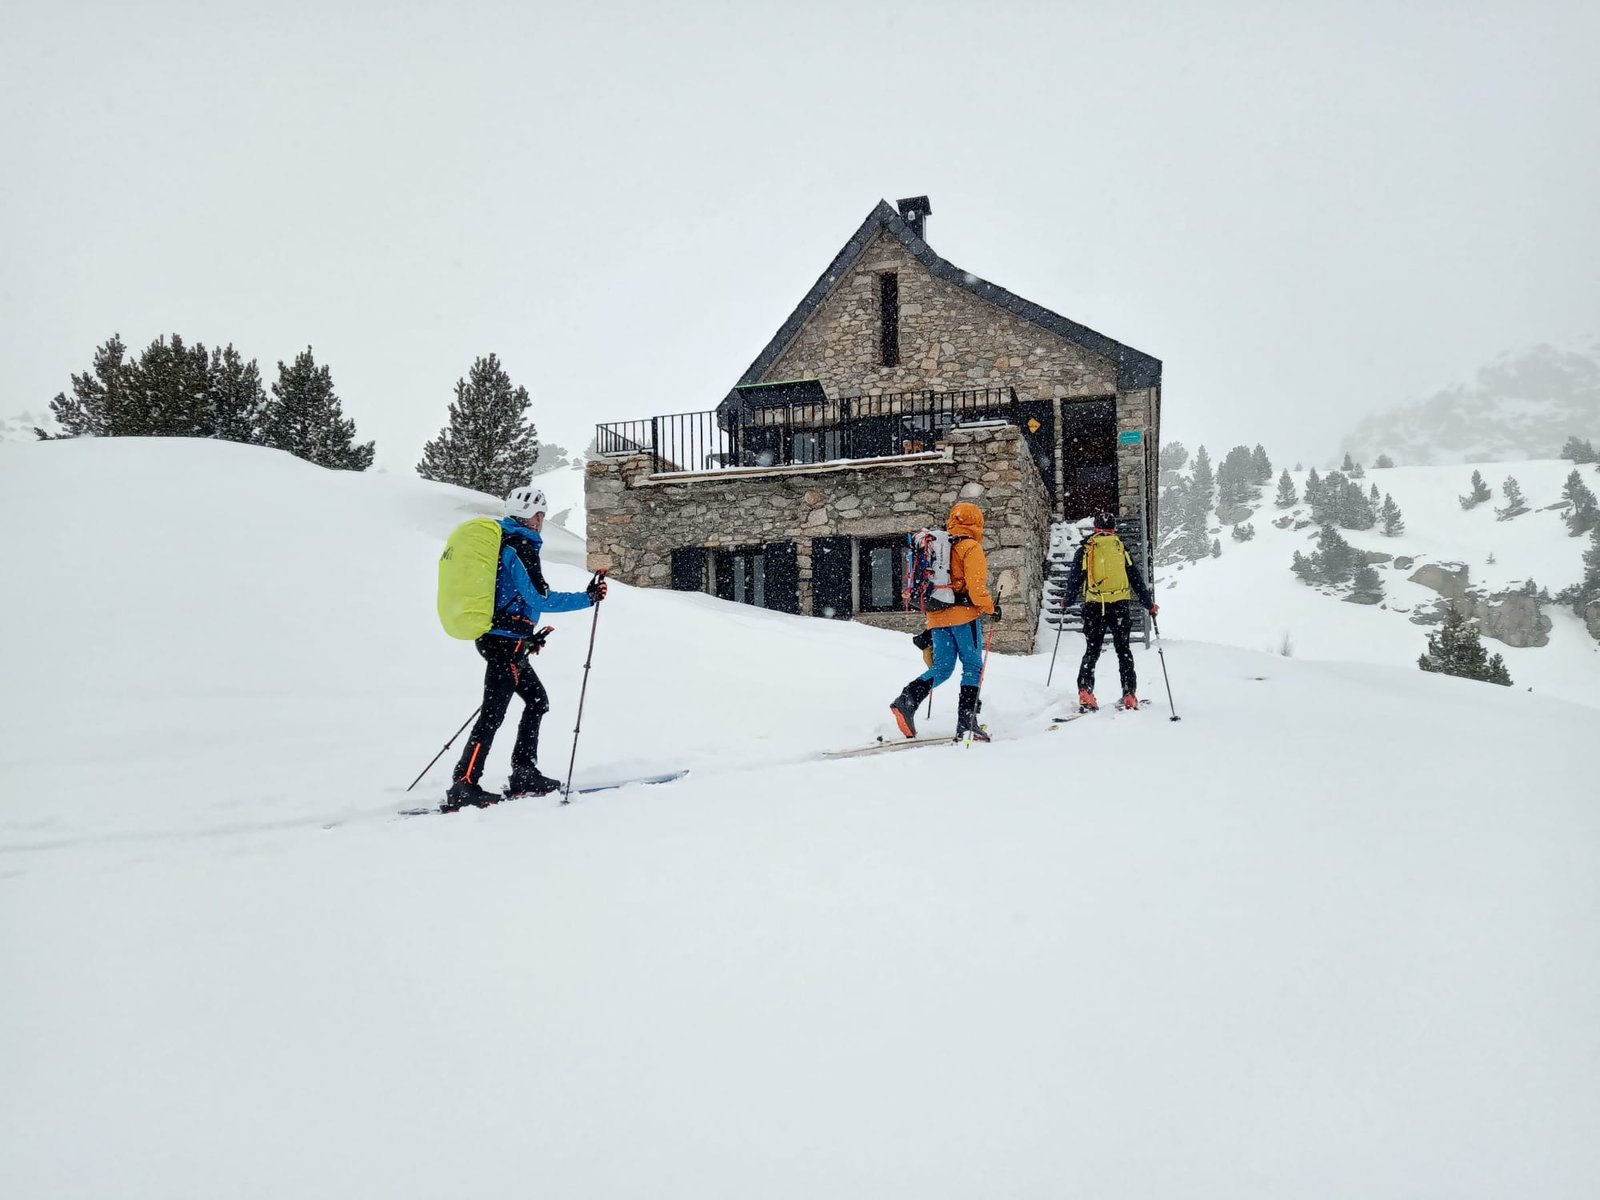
(521, 598)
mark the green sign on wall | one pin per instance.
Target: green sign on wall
(1130, 437)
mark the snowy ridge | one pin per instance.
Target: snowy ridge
(1521, 406)
(1310, 941)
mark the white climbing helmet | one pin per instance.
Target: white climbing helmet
(525, 503)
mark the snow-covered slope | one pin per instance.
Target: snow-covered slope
(1248, 597)
(1323, 937)
(1521, 406)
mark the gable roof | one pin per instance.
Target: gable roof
(1134, 369)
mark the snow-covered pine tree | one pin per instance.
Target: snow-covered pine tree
(1366, 581)
(305, 418)
(489, 445)
(1355, 510)
(1261, 466)
(1584, 515)
(1216, 547)
(1313, 488)
(1454, 649)
(1286, 493)
(1588, 591)
(1358, 472)
(95, 394)
(238, 401)
(166, 392)
(1384, 462)
(1197, 512)
(1480, 492)
(1335, 560)
(1174, 457)
(1236, 477)
(1329, 500)
(1304, 568)
(1348, 466)
(1243, 531)
(1375, 496)
(1578, 451)
(1202, 483)
(1515, 504)
(1394, 524)
(1171, 530)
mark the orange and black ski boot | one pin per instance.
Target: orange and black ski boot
(905, 705)
(1086, 701)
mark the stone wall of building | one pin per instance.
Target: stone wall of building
(951, 339)
(636, 520)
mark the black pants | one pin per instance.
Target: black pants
(508, 671)
(1097, 618)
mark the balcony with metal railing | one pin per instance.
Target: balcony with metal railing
(803, 428)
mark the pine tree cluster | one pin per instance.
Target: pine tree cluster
(1333, 562)
(1579, 452)
(1242, 473)
(1186, 505)
(177, 390)
(1454, 649)
(1338, 501)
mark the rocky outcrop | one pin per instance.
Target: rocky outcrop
(1232, 514)
(1373, 557)
(1592, 619)
(1513, 618)
(1403, 562)
(1448, 579)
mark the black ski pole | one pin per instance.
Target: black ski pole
(566, 792)
(1061, 623)
(1162, 655)
(447, 746)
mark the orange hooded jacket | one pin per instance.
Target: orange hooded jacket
(969, 569)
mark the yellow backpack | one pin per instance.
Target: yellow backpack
(467, 571)
(1105, 570)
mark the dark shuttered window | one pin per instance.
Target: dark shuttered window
(889, 319)
(830, 578)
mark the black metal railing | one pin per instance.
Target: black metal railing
(798, 433)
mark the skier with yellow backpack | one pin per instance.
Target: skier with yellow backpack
(1104, 577)
(492, 592)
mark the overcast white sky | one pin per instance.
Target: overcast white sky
(1306, 210)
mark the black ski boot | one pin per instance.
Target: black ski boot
(967, 717)
(905, 705)
(531, 784)
(467, 795)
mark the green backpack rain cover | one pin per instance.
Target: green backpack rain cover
(467, 570)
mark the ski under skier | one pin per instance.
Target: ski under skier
(521, 597)
(1104, 576)
(957, 632)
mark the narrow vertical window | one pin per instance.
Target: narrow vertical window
(889, 319)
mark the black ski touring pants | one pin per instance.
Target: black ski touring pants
(1097, 619)
(508, 672)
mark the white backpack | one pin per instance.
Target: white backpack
(928, 586)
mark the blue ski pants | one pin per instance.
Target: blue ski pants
(957, 641)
